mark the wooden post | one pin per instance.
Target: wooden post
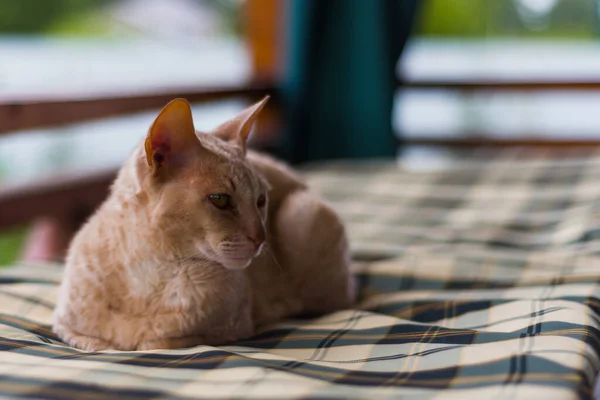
(264, 33)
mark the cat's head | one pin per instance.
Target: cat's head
(206, 200)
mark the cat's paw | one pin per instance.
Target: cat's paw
(81, 342)
(90, 344)
(87, 343)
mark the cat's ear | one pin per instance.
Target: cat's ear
(237, 130)
(171, 136)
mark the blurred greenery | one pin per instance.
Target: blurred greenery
(453, 18)
(85, 17)
(230, 12)
(500, 18)
(87, 23)
(11, 242)
(36, 16)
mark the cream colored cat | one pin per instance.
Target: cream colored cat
(198, 243)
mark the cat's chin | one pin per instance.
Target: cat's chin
(236, 264)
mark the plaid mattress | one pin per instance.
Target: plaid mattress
(479, 280)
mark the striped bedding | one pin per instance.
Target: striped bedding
(480, 280)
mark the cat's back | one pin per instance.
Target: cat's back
(305, 265)
(282, 179)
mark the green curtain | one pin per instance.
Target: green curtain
(341, 77)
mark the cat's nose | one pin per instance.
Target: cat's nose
(257, 237)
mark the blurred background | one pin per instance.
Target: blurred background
(419, 81)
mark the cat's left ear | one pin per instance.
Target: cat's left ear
(237, 130)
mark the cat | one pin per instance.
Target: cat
(199, 242)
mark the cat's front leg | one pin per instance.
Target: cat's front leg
(180, 330)
(82, 342)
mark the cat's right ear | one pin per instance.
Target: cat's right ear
(171, 136)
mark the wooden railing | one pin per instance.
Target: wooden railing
(483, 138)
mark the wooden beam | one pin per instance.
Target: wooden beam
(29, 113)
(70, 197)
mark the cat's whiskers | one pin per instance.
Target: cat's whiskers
(267, 250)
(190, 256)
(271, 238)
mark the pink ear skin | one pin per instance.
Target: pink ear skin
(237, 130)
(171, 137)
(160, 149)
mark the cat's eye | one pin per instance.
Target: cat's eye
(220, 200)
(262, 200)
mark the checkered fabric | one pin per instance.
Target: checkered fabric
(480, 280)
